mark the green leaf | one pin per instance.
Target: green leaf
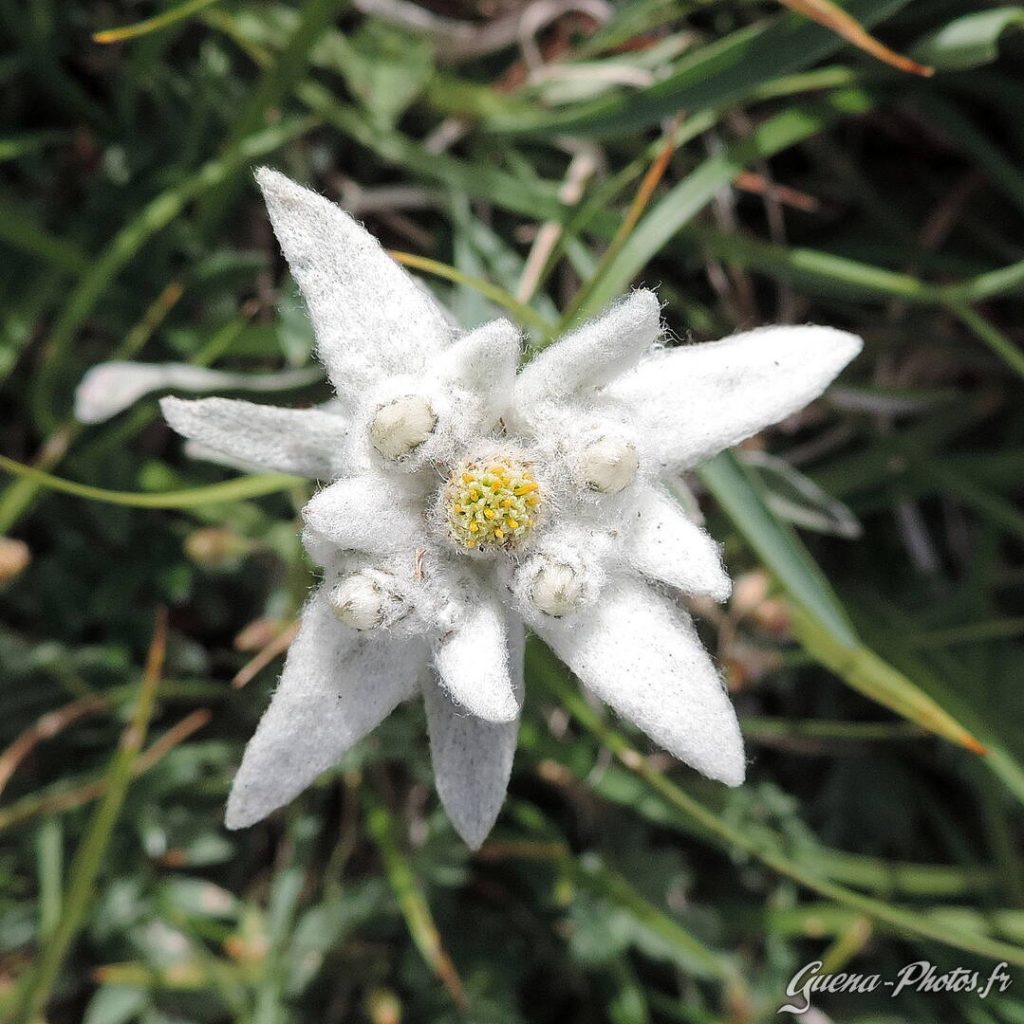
(717, 74)
(684, 201)
(385, 67)
(819, 618)
(154, 24)
(545, 671)
(968, 41)
(116, 1004)
(778, 547)
(229, 490)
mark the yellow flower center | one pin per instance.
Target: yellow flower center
(491, 503)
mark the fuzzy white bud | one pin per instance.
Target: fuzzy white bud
(401, 426)
(609, 465)
(557, 589)
(362, 602)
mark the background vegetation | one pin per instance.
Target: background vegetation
(755, 168)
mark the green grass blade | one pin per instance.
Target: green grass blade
(544, 668)
(820, 620)
(88, 861)
(685, 200)
(381, 825)
(720, 73)
(526, 315)
(276, 84)
(19, 231)
(159, 21)
(240, 489)
(736, 490)
(154, 217)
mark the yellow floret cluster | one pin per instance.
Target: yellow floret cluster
(491, 503)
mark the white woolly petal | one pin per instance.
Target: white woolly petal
(200, 452)
(473, 758)
(482, 365)
(472, 661)
(370, 512)
(321, 550)
(689, 403)
(110, 388)
(592, 354)
(370, 317)
(336, 687)
(413, 419)
(665, 544)
(640, 654)
(306, 442)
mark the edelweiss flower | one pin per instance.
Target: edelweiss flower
(471, 502)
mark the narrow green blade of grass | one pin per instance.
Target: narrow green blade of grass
(153, 217)
(277, 82)
(381, 825)
(526, 315)
(19, 231)
(735, 489)
(285, 893)
(163, 20)
(985, 331)
(545, 670)
(688, 952)
(886, 878)
(239, 489)
(944, 675)
(14, 146)
(834, 18)
(1001, 169)
(88, 861)
(824, 273)
(685, 200)
(988, 285)
(480, 180)
(869, 674)
(821, 273)
(821, 623)
(714, 75)
(970, 40)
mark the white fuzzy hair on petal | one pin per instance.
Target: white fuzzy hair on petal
(472, 758)
(481, 366)
(371, 512)
(370, 317)
(335, 688)
(306, 442)
(591, 355)
(472, 662)
(664, 544)
(641, 655)
(690, 403)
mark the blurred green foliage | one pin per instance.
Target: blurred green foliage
(807, 182)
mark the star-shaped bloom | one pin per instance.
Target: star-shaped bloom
(470, 502)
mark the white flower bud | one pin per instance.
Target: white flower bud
(400, 427)
(362, 602)
(609, 465)
(557, 589)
